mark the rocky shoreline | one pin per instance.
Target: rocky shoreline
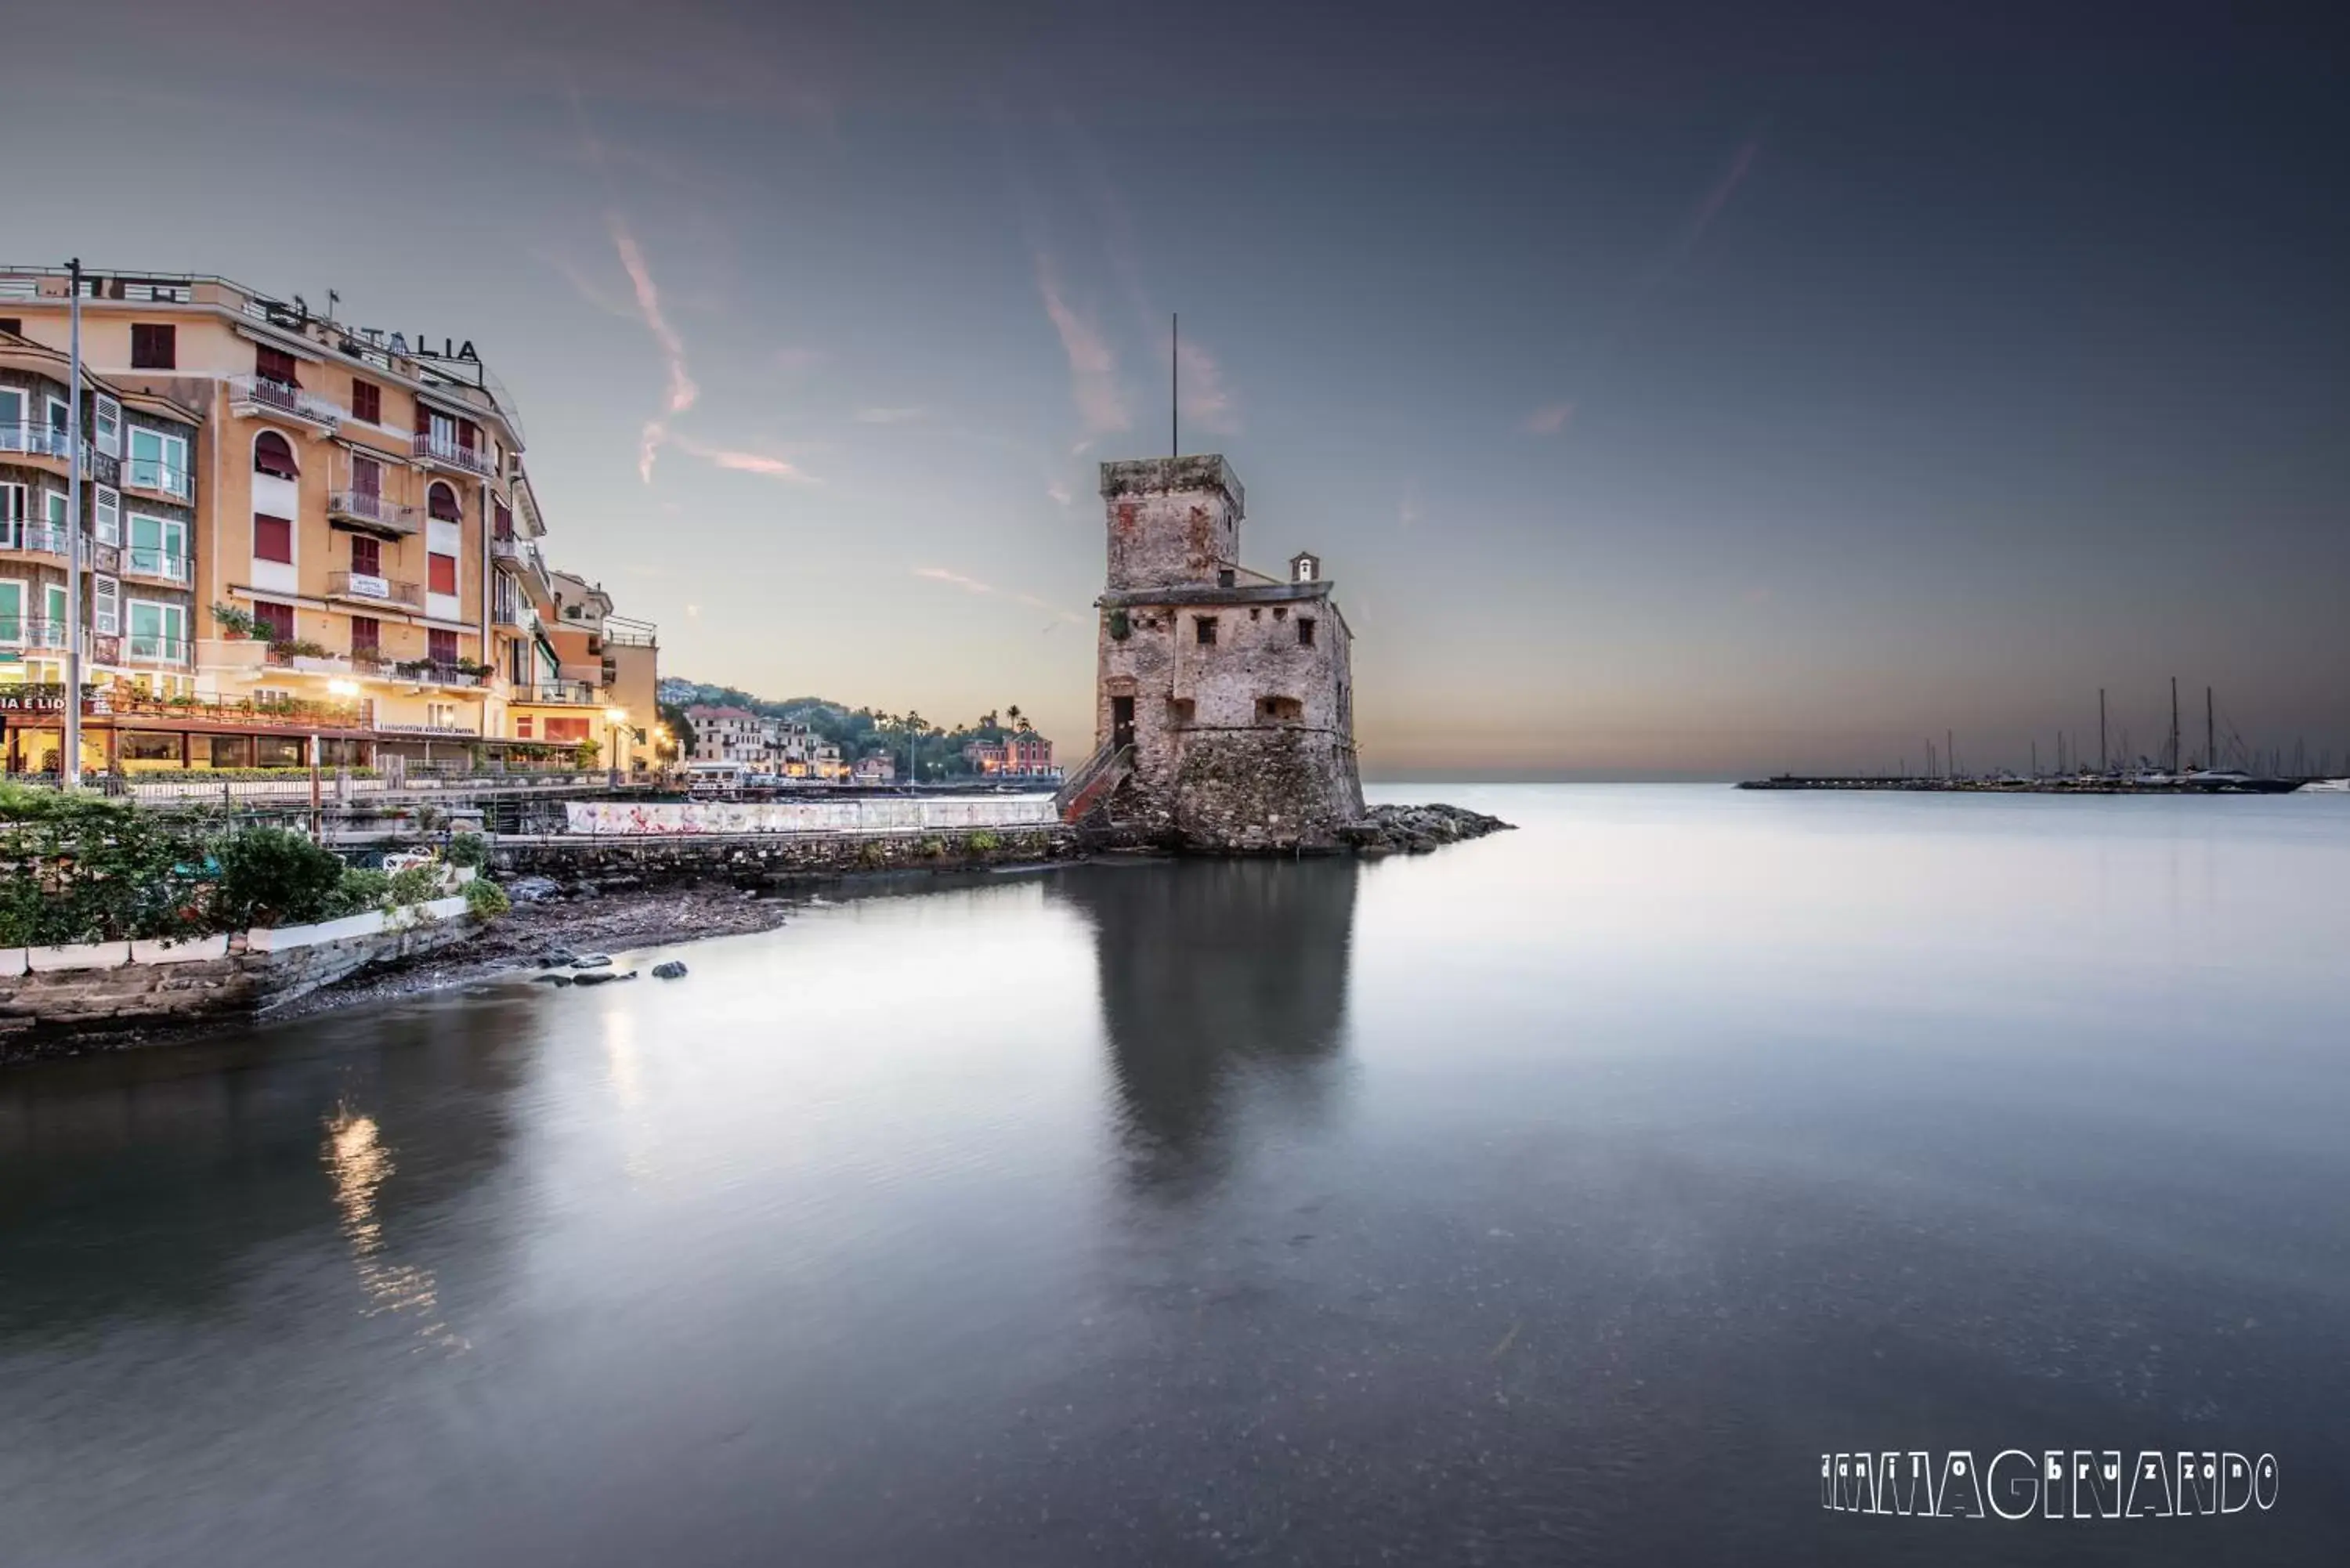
(1416, 829)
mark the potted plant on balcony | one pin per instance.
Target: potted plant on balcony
(236, 625)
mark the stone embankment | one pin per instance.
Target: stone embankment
(1416, 829)
(765, 860)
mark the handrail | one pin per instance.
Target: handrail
(1108, 756)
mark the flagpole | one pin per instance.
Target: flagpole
(70, 768)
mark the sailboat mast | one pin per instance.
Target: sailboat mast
(2211, 733)
(2101, 729)
(2174, 724)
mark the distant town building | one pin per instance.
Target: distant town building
(878, 768)
(1224, 699)
(1019, 755)
(729, 735)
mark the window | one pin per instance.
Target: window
(158, 632)
(272, 453)
(52, 613)
(153, 345)
(158, 461)
(441, 646)
(53, 506)
(568, 730)
(105, 504)
(1204, 628)
(522, 728)
(276, 365)
(60, 420)
(12, 611)
(366, 635)
(443, 570)
(14, 324)
(273, 538)
(367, 557)
(1279, 709)
(505, 521)
(366, 401)
(276, 622)
(1224, 578)
(108, 424)
(1306, 631)
(158, 547)
(12, 434)
(12, 516)
(366, 476)
(105, 605)
(440, 506)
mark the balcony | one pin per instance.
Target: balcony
(521, 557)
(143, 561)
(249, 395)
(365, 509)
(28, 440)
(135, 649)
(373, 589)
(444, 452)
(149, 476)
(23, 632)
(510, 611)
(425, 672)
(621, 632)
(560, 694)
(41, 538)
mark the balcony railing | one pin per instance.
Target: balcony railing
(365, 506)
(35, 440)
(23, 632)
(513, 613)
(425, 672)
(447, 452)
(142, 561)
(381, 590)
(138, 649)
(249, 392)
(48, 538)
(158, 478)
(560, 693)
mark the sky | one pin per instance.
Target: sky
(1686, 390)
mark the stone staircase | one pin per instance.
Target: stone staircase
(1093, 782)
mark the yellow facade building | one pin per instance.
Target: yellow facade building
(295, 527)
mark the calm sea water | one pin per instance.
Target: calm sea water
(1557, 1198)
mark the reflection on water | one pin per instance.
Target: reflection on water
(1556, 1197)
(1228, 978)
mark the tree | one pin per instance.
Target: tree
(679, 727)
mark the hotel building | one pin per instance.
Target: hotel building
(294, 528)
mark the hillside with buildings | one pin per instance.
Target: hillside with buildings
(825, 741)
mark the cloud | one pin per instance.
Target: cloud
(741, 461)
(1205, 400)
(973, 585)
(1059, 493)
(1548, 420)
(889, 416)
(1093, 368)
(682, 393)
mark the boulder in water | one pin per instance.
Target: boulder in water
(672, 969)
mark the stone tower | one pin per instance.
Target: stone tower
(1233, 688)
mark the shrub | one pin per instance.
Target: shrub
(271, 877)
(360, 890)
(417, 885)
(934, 848)
(984, 843)
(468, 850)
(486, 900)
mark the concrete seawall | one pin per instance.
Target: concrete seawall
(775, 859)
(96, 987)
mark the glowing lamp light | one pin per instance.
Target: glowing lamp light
(344, 688)
(616, 715)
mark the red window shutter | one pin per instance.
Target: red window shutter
(444, 579)
(423, 419)
(442, 646)
(367, 557)
(466, 434)
(367, 634)
(522, 727)
(153, 345)
(442, 504)
(277, 620)
(273, 455)
(276, 365)
(505, 521)
(272, 540)
(366, 476)
(366, 401)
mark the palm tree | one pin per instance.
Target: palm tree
(1012, 715)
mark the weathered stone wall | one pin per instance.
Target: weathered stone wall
(1264, 791)
(239, 975)
(766, 859)
(1171, 520)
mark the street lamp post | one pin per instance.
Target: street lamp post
(613, 719)
(69, 765)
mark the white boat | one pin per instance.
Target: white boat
(2326, 786)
